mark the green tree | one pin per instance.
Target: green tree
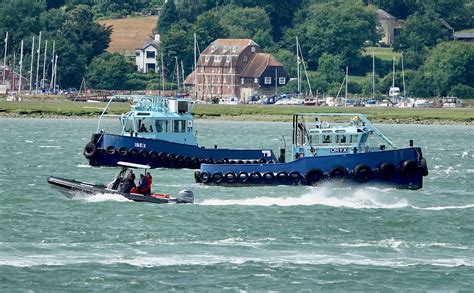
(450, 64)
(168, 17)
(331, 68)
(208, 28)
(341, 28)
(109, 71)
(420, 33)
(177, 42)
(462, 91)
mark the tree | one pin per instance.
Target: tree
(335, 28)
(331, 68)
(420, 33)
(462, 91)
(109, 71)
(245, 22)
(177, 42)
(450, 64)
(208, 28)
(169, 16)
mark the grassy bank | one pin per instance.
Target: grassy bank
(65, 108)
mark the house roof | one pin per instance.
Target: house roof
(149, 42)
(384, 14)
(259, 63)
(228, 46)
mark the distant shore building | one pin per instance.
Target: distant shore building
(390, 26)
(235, 68)
(145, 58)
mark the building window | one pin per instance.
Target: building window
(227, 59)
(234, 49)
(255, 80)
(137, 53)
(150, 67)
(268, 80)
(202, 69)
(225, 80)
(217, 59)
(282, 80)
(213, 48)
(252, 49)
(242, 80)
(207, 58)
(150, 54)
(246, 59)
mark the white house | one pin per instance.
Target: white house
(145, 58)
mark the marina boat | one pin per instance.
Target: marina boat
(159, 132)
(70, 188)
(329, 147)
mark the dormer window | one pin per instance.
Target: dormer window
(246, 59)
(252, 49)
(234, 49)
(213, 49)
(217, 58)
(228, 58)
(226, 48)
(207, 58)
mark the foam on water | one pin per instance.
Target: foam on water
(441, 208)
(98, 197)
(281, 258)
(357, 198)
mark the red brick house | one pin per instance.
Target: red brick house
(235, 68)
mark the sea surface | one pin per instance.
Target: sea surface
(289, 239)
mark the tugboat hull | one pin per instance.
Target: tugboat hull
(107, 149)
(401, 168)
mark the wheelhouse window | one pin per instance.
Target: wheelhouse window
(161, 126)
(179, 126)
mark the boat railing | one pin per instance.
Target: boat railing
(103, 113)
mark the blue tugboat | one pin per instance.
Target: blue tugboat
(329, 147)
(159, 132)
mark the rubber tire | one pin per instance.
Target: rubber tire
(338, 173)
(133, 152)
(282, 177)
(362, 173)
(294, 177)
(153, 155)
(230, 177)
(243, 177)
(387, 171)
(409, 169)
(110, 150)
(123, 151)
(197, 175)
(143, 154)
(90, 150)
(255, 177)
(313, 176)
(423, 167)
(205, 177)
(268, 177)
(217, 177)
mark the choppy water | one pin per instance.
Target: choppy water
(254, 238)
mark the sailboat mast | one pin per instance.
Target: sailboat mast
(21, 67)
(347, 75)
(393, 72)
(38, 62)
(5, 58)
(298, 73)
(32, 59)
(373, 75)
(52, 66)
(162, 74)
(177, 72)
(403, 78)
(195, 68)
(55, 71)
(44, 63)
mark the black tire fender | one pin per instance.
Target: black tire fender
(408, 168)
(313, 176)
(153, 155)
(362, 173)
(217, 177)
(387, 171)
(90, 150)
(243, 177)
(230, 177)
(282, 177)
(133, 152)
(204, 177)
(123, 151)
(110, 150)
(294, 176)
(338, 172)
(255, 177)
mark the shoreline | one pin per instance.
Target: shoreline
(245, 118)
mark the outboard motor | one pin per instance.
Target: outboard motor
(185, 196)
